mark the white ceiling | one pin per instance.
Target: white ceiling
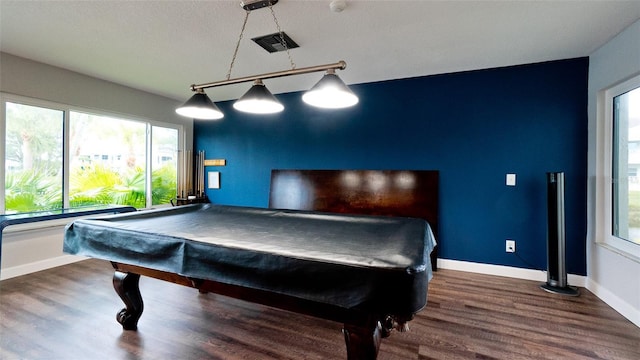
(164, 46)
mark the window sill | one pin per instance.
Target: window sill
(631, 254)
(37, 225)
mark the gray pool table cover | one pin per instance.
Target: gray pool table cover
(373, 263)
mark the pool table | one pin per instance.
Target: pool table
(370, 273)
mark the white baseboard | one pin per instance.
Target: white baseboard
(624, 308)
(507, 271)
(20, 270)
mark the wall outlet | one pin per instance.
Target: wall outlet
(511, 246)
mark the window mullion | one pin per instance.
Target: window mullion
(148, 167)
(65, 159)
(3, 134)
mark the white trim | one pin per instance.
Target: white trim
(604, 180)
(3, 127)
(625, 309)
(25, 269)
(66, 157)
(47, 224)
(506, 271)
(148, 168)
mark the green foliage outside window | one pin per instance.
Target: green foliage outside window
(32, 190)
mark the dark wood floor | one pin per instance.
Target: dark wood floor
(69, 313)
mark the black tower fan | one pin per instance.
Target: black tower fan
(556, 269)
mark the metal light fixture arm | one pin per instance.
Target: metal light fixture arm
(340, 65)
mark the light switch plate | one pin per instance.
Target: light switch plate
(511, 179)
(214, 180)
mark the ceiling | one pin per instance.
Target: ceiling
(164, 46)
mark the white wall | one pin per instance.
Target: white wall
(611, 276)
(32, 250)
(27, 251)
(24, 77)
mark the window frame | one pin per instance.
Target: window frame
(604, 170)
(67, 109)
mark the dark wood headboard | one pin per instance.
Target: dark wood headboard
(410, 193)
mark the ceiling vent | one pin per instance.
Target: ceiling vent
(272, 42)
(250, 5)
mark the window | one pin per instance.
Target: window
(105, 159)
(103, 181)
(165, 164)
(33, 158)
(618, 208)
(626, 159)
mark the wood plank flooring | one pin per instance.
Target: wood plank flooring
(69, 313)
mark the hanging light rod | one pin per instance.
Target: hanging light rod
(340, 65)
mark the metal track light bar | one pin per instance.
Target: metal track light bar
(340, 65)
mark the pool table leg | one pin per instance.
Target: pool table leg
(363, 341)
(127, 287)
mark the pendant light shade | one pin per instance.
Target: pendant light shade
(258, 100)
(330, 93)
(199, 106)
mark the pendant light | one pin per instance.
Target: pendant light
(258, 100)
(330, 92)
(199, 106)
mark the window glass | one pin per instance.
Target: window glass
(164, 164)
(107, 161)
(33, 158)
(625, 165)
(54, 157)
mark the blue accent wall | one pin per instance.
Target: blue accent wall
(474, 127)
